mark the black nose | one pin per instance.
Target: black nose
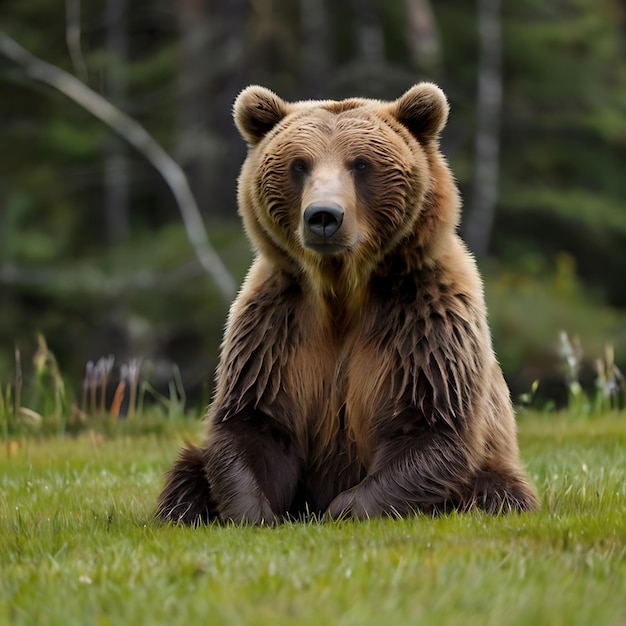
(323, 220)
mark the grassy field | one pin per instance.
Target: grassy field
(78, 546)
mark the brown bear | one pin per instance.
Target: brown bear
(357, 376)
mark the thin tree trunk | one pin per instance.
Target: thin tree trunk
(315, 46)
(116, 193)
(423, 37)
(479, 223)
(367, 73)
(370, 39)
(195, 142)
(206, 134)
(72, 38)
(141, 140)
(229, 45)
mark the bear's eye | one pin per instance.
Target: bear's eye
(299, 166)
(360, 165)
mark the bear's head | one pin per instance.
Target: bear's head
(337, 186)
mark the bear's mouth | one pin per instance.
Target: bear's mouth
(325, 247)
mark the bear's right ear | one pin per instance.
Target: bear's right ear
(256, 111)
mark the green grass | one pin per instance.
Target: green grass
(78, 546)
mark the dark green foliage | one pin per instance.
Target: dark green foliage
(564, 129)
(562, 180)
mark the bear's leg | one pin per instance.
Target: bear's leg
(501, 490)
(253, 468)
(186, 495)
(430, 472)
(426, 472)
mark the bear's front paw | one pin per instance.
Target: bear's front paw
(352, 503)
(249, 508)
(340, 507)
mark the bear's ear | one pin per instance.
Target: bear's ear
(256, 111)
(423, 109)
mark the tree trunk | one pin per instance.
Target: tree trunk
(73, 37)
(480, 220)
(370, 38)
(195, 100)
(212, 37)
(423, 37)
(229, 45)
(116, 193)
(315, 46)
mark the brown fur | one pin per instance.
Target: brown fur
(357, 376)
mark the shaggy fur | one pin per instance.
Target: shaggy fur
(357, 376)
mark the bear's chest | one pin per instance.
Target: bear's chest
(335, 387)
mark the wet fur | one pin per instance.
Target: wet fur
(362, 383)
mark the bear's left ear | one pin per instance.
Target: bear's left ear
(256, 111)
(423, 109)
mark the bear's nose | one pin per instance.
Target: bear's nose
(323, 220)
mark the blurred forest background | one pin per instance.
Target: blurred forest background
(93, 251)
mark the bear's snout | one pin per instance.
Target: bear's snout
(321, 223)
